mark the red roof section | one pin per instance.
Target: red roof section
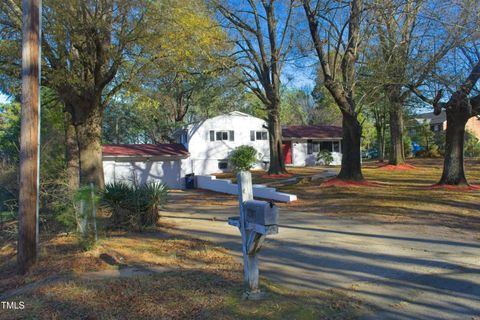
(170, 149)
(320, 132)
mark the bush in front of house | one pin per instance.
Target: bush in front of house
(472, 146)
(134, 206)
(243, 158)
(325, 157)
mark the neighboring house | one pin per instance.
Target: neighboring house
(203, 148)
(301, 144)
(438, 123)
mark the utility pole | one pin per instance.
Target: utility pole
(29, 136)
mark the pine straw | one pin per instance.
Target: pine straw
(398, 167)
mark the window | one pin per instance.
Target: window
(258, 135)
(262, 135)
(336, 146)
(222, 135)
(326, 145)
(317, 146)
(222, 165)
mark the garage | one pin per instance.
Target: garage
(141, 163)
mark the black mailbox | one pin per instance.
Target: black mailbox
(261, 212)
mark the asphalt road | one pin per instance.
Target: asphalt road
(403, 271)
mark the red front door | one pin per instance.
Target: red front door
(287, 152)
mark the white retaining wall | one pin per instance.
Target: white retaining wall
(226, 186)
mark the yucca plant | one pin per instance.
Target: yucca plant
(154, 195)
(115, 198)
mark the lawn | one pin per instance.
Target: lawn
(203, 281)
(398, 196)
(200, 281)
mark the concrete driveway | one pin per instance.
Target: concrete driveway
(404, 271)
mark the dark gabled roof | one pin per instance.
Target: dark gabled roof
(442, 117)
(318, 132)
(169, 150)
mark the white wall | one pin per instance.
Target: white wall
(168, 171)
(205, 154)
(301, 158)
(226, 186)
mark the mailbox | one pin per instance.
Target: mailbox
(261, 212)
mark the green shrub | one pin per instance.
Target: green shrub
(325, 157)
(243, 158)
(432, 152)
(114, 197)
(472, 147)
(86, 200)
(132, 206)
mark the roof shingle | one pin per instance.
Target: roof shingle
(170, 149)
(313, 131)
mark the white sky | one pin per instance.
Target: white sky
(3, 98)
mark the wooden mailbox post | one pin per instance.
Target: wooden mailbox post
(253, 236)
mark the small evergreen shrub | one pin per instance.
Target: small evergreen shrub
(243, 158)
(472, 147)
(324, 157)
(134, 206)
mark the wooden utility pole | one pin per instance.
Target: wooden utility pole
(29, 137)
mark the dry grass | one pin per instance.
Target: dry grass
(180, 295)
(207, 284)
(401, 196)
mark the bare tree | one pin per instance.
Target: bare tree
(332, 51)
(262, 47)
(459, 108)
(411, 44)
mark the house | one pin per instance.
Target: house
(203, 148)
(438, 123)
(301, 144)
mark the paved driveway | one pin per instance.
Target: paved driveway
(403, 271)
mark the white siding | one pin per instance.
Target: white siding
(205, 154)
(301, 157)
(170, 172)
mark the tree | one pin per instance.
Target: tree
(411, 42)
(90, 50)
(29, 137)
(459, 108)
(464, 100)
(341, 87)
(261, 50)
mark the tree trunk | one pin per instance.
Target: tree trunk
(89, 137)
(453, 167)
(397, 152)
(277, 162)
(351, 159)
(71, 154)
(29, 137)
(380, 143)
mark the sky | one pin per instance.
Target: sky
(3, 98)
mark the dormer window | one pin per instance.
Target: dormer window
(222, 135)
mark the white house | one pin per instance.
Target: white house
(203, 148)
